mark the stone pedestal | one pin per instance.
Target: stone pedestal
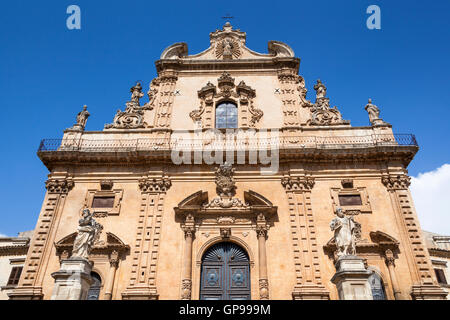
(351, 279)
(73, 280)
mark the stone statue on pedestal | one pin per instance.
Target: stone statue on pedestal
(374, 113)
(345, 231)
(88, 232)
(82, 117)
(136, 94)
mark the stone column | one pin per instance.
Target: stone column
(186, 284)
(417, 255)
(113, 263)
(261, 231)
(390, 262)
(309, 283)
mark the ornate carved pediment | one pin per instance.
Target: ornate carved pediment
(383, 239)
(227, 43)
(280, 49)
(321, 113)
(133, 116)
(381, 242)
(197, 199)
(210, 94)
(113, 243)
(255, 199)
(175, 51)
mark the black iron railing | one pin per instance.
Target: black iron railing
(182, 143)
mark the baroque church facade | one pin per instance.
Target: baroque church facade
(223, 186)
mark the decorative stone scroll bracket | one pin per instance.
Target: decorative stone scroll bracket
(59, 185)
(133, 116)
(321, 113)
(155, 184)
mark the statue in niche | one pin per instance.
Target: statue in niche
(227, 48)
(88, 232)
(374, 113)
(346, 231)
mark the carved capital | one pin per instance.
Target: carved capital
(155, 185)
(261, 231)
(186, 289)
(288, 76)
(396, 182)
(168, 76)
(189, 227)
(261, 226)
(389, 258)
(189, 231)
(59, 185)
(297, 183)
(114, 259)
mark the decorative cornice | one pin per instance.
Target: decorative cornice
(396, 182)
(155, 184)
(298, 183)
(59, 185)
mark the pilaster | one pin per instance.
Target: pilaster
(424, 283)
(309, 283)
(146, 248)
(30, 284)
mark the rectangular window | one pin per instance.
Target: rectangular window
(103, 202)
(440, 275)
(350, 200)
(14, 276)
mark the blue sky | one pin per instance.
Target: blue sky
(47, 72)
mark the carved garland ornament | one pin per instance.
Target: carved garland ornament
(226, 89)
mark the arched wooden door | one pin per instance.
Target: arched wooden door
(94, 290)
(225, 273)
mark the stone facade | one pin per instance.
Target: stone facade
(439, 249)
(13, 251)
(160, 217)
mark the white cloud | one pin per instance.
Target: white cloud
(431, 194)
(3, 235)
